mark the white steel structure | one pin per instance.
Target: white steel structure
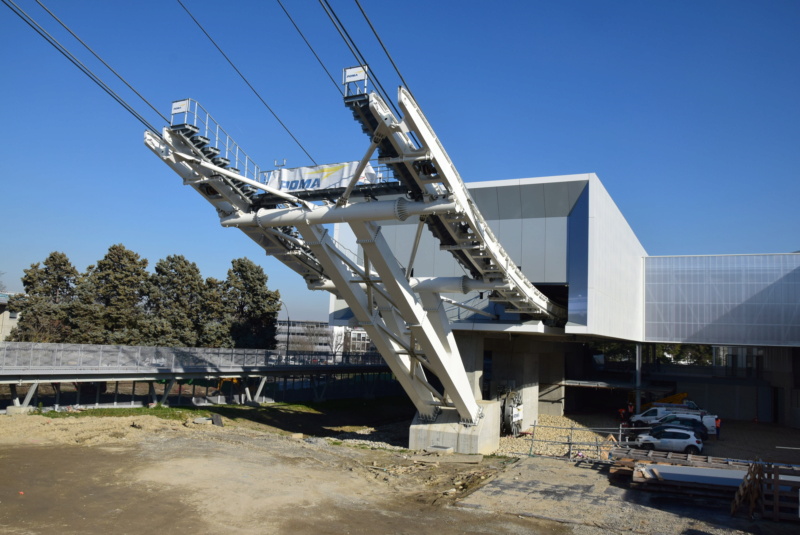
(403, 315)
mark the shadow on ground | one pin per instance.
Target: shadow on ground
(326, 419)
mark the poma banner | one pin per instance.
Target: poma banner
(336, 175)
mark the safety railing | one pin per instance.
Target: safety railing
(40, 357)
(190, 112)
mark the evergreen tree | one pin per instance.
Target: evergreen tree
(214, 328)
(109, 308)
(43, 309)
(253, 306)
(176, 299)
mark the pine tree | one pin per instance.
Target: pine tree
(253, 306)
(214, 328)
(175, 301)
(109, 308)
(43, 309)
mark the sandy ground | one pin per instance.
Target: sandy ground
(132, 474)
(96, 475)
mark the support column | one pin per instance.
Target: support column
(31, 391)
(167, 390)
(260, 387)
(638, 378)
(551, 391)
(470, 347)
(529, 388)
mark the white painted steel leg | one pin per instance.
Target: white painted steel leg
(435, 338)
(31, 391)
(349, 288)
(260, 387)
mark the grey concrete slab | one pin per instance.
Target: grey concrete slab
(583, 496)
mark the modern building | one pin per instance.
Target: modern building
(8, 319)
(321, 337)
(572, 242)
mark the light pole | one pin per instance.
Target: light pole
(288, 324)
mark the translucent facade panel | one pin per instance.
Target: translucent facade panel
(731, 300)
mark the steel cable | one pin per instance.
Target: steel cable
(246, 81)
(75, 61)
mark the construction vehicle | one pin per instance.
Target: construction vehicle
(674, 399)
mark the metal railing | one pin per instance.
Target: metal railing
(194, 114)
(27, 356)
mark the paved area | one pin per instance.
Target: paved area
(581, 495)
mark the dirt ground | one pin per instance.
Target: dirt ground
(136, 473)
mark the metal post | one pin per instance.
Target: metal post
(288, 324)
(116, 392)
(638, 377)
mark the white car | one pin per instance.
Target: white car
(670, 439)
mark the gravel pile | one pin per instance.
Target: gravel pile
(552, 434)
(550, 437)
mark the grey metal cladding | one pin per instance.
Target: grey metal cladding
(509, 202)
(532, 198)
(575, 190)
(555, 268)
(556, 199)
(486, 199)
(532, 258)
(528, 201)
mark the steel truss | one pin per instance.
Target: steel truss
(404, 316)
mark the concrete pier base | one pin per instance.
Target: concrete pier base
(447, 431)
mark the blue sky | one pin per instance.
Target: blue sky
(688, 111)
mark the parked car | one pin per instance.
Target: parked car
(651, 415)
(684, 420)
(671, 439)
(699, 432)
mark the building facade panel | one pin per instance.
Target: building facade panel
(733, 300)
(615, 278)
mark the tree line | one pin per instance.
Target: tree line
(117, 301)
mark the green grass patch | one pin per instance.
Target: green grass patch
(166, 413)
(321, 419)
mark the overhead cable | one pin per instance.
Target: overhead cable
(246, 81)
(355, 51)
(378, 37)
(101, 60)
(75, 61)
(338, 87)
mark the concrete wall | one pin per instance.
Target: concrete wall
(731, 401)
(515, 365)
(470, 346)
(778, 366)
(551, 372)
